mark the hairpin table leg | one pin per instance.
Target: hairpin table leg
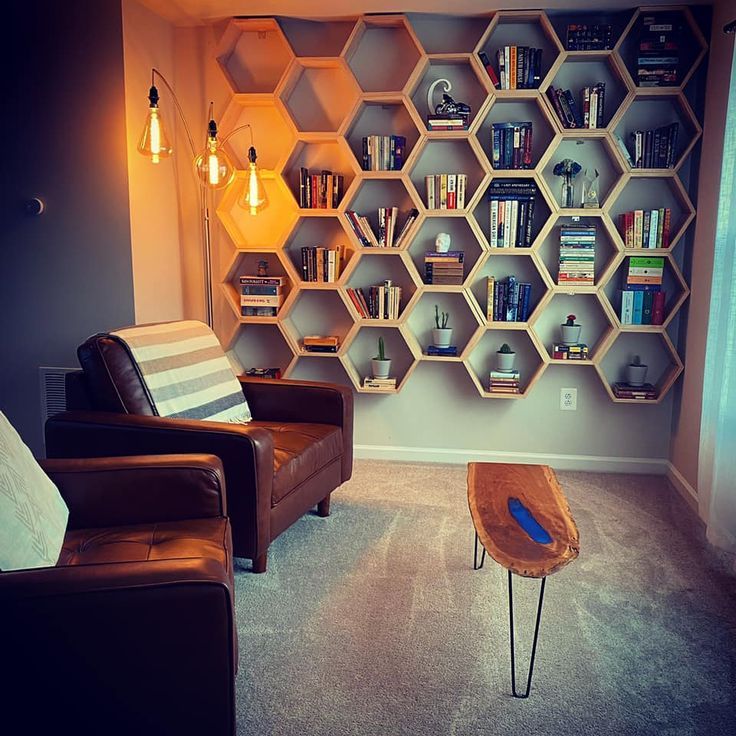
(476, 566)
(534, 643)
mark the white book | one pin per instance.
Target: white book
(513, 224)
(627, 307)
(462, 181)
(593, 109)
(494, 224)
(429, 181)
(653, 224)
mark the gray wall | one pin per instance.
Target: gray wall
(66, 274)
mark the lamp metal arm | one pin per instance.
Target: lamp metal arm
(239, 128)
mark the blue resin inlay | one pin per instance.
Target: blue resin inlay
(527, 522)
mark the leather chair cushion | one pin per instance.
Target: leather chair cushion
(191, 538)
(300, 450)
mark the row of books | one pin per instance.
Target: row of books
(588, 114)
(444, 268)
(320, 191)
(642, 298)
(448, 121)
(383, 152)
(261, 296)
(511, 145)
(387, 221)
(503, 382)
(627, 391)
(655, 149)
(519, 67)
(320, 264)
(511, 212)
(320, 343)
(659, 50)
(578, 351)
(589, 37)
(377, 302)
(646, 228)
(577, 255)
(446, 191)
(508, 300)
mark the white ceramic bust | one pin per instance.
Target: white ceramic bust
(442, 242)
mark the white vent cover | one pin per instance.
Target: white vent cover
(53, 391)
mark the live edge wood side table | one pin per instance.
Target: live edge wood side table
(522, 520)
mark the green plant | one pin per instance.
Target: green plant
(636, 361)
(381, 350)
(441, 319)
(570, 321)
(505, 348)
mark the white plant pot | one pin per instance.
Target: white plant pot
(636, 375)
(570, 334)
(506, 362)
(380, 368)
(441, 337)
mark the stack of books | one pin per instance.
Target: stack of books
(450, 351)
(444, 268)
(261, 296)
(377, 302)
(370, 382)
(512, 212)
(655, 149)
(387, 236)
(320, 343)
(519, 67)
(319, 191)
(502, 382)
(646, 228)
(446, 191)
(447, 121)
(659, 50)
(578, 351)
(577, 255)
(642, 298)
(508, 300)
(263, 372)
(320, 264)
(645, 392)
(512, 145)
(589, 37)
(383, 152)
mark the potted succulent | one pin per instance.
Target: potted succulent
(636, 372)
(441, 334)
(381, 365)
(506, 358)
(570, 331)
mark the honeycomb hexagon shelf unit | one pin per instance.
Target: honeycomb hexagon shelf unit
(318, 92)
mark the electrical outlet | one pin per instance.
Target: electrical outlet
(568, 399)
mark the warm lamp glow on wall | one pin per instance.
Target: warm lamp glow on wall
(212, 166)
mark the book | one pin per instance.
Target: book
(319, 191)
(631, 225)
(511, 145)
(449, 351)
(519, 67)
(511, 204)
(570, 352)
(263, 372)
(370, 382)
(383, 152)
(623, 390)
(658, 58)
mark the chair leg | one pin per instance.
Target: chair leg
(260, 562)
(323, 507)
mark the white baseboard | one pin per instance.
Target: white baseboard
(682, 486)
(593, 463)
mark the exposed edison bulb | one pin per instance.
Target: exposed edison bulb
(254, 197)
(154, 142)
(213, 165)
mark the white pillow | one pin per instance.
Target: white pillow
(33, 514)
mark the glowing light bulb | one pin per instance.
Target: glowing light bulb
(154, 142)
(213, 165)
(254, 198)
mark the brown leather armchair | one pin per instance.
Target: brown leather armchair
(289, 459)
(133, 631)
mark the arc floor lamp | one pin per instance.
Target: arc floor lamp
(212, 167)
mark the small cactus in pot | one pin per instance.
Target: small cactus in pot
(636, 372)
(441, 334)
(570, 331)
(506, 357)
(381, 365)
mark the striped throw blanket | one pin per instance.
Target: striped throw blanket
(186, 371)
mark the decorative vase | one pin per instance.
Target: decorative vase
(570, 334)
(636, 375)
(441, 337)
(380, 368)
(567, 192)
(505, 361)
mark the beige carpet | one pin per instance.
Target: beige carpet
(373, 622)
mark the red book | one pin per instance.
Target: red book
(658, 308)
(528, 148)
(666, 228)
(315, 191)
(489, 68)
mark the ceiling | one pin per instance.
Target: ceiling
(197, 12)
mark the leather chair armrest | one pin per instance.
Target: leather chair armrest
(246, 454)
(105, 492)
(284, 400)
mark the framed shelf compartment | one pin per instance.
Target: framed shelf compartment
(323, 313)
(481, 360)
(607, 250)
(316, 37)
(596, 332)
(364, 345)
(655, 351)
(262, 346)
(561, 19)
(448, 34)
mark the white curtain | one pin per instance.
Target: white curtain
(717, 466)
